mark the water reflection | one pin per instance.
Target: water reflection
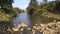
(22, 18)
(27, 19)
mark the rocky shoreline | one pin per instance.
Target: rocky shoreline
(48, 28)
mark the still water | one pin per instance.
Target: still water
(25, 18)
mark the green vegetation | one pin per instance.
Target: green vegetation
(45, 8)
(7, 12)
(32, 6)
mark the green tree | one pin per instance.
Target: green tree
(32, 6)
(6, 5)
(45, 1)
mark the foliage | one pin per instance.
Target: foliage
(6, 5)
(17, 10)
(46, 6)
(9, 16)
(7, 12)
(32, 6)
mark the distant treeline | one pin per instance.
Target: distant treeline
(45, 6)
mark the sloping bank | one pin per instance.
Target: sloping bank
(7, 17)
(51, 15)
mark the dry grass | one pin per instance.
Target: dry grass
(51, 15)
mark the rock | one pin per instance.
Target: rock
(22, 29)
(33, 31)
(34, 27)
(22, 25)
(15, 29)
(29, 29)
(50, 28)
